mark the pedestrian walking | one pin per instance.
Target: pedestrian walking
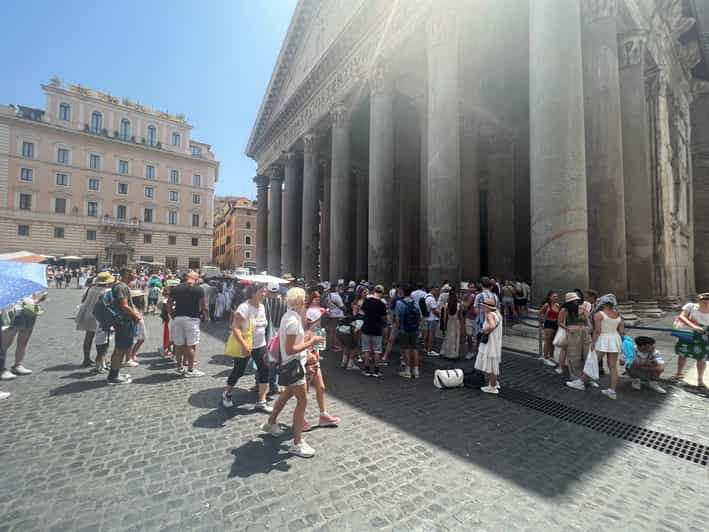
(608, 330)
(548, 321)
(85, 320)
(188, 304)
(124, 328)
(490, 352)
(695, 319)
(486, 294)
(23, 318)
(313, 370)
(432, 315)
(375, 312)
(408, 317)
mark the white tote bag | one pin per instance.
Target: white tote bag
(560, 339)
(448, 378)
(590, 368)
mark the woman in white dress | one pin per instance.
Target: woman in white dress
(608, 330)
(451, 343)
(490, 352)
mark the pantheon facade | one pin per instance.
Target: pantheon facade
(563, 141)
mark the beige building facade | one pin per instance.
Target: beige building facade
(234, 242)
(106, 179)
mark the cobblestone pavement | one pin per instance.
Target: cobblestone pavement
(160, 454)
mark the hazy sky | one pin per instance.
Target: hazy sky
(208, 59)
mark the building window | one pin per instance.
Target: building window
(120, 237)
(94, 183)
(26, 202)
(196, 199)
(152, 135)
(146, 258)
(60, 205)
(172, 240)
(26, 175)
(148, 215)
(123, 167)
(94, 162)
(175, 139)
(172, 217)
(228, 240)
(149, 171)
(247, 240)
(149, 192)
(64, 112)
(197, 180)
(147, 238)
(195, 220)
(28, 150)
(96, 122)
(195, 241)
(247, 254)
(90, 234)
(63, 156)
(248, 225)
(121, 212)
(63, 180)
(123, 188)
(58, 232)
(196, 150)
(175, 177)
(173, 195)
(92, 209)
(23, 230)
(125, 129)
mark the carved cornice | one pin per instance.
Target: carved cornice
(631, 49)
(340, 116)
(380, 79)
(261, 181)
(310, 143)
(593, 10)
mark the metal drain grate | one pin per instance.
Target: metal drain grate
(672, 445)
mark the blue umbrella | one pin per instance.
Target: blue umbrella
(19, 280)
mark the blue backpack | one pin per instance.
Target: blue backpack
(106, 311)
(410, 321)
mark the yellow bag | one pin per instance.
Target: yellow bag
(233, 347)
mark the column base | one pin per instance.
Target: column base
(627, 312)
(670, 303)
(648, 308)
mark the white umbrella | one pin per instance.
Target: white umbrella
(70, 257)
(263, 279)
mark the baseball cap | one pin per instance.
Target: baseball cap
(379, 288)
(352, 284)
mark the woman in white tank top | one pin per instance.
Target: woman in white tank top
(608, 340)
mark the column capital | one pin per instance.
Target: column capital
(631, 49)
(593, 10)
(380, 79)
(290, 156)
(339, 115)
(261, 181)
(275, 173)
(443, 24)
(310, 143)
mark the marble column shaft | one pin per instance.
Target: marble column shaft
(380, 250)
(470, 199)
(291, 238)
(443, 145)
(275, 220)
(261, 223)
(362, 224)
(325, 222)
(501, 207)
(311, 208)
(423, 192)
(636, 167)
(559, 232)
(604, 149)
(340, 220)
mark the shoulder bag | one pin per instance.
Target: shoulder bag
(233, 347)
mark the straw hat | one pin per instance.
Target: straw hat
(571, 296)
(104, 278)
(136, 293)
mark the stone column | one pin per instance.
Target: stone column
(443, 145)
(422, 108)
(362, 224)
(325, 222)
(261, 223)
(291, 239)
(470, 198)
(275, 213)
(380, 252)
(501, 207)
(340, 229)
(636, 168)
(559, 239)
(311, 225)
(604, 149)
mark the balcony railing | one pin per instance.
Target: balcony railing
(133, 224)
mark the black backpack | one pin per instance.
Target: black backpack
(423, 307)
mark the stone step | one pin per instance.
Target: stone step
(648, 308)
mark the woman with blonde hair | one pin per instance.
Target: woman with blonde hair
(294, 353)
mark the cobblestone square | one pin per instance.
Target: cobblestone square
(161, 454)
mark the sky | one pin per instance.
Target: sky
(210, 60)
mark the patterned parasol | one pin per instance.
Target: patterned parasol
(19, 280)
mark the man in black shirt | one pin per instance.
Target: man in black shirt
(375, 312)
(124, 329)
(189, 305)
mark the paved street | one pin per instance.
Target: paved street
(160, 454)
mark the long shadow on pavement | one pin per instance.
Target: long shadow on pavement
(261, 455)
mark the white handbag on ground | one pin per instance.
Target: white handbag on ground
(590, 368)
(560, 339)
(448, 378)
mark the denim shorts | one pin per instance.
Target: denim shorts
(375, 342)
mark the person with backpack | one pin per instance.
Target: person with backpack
(375, 311)
(124, 325)
(85, 320)
(408, 316)
(154, 296)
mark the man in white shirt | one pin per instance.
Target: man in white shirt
(431, 321)
(335, 311)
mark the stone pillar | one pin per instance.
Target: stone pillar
(443, 145)
(559, 231)
(325, 222)
(275, 213)
(636, 169)
(291, 239)
(604, 149)
(362, 224)
(311, 225)
(501, 207)
(261, 223)
(470, 198)
(380, 252)
(422, 109)
(340, 229)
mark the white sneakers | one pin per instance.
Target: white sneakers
(227, 400)
(656, 387)
(559, 370)
(490, 389)
(415, 373)
(274, 429)
(576, 384)
(302, 449)
(132, 364)
(433, 354)
(7, 375)
(193, 373)
(405, 374)
(4, 395)
(21, 370)
(609, 393)
(469, 356)
(549, 362)
(636, 384)
(263, 406)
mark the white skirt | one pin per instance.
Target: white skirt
(609, 343)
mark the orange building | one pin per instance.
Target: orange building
(234, 239)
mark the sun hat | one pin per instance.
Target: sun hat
(490, 304)
(352, 284)
(136, 293)
(379, 289)
(571, 296)
(104, 278)
(703, 297)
